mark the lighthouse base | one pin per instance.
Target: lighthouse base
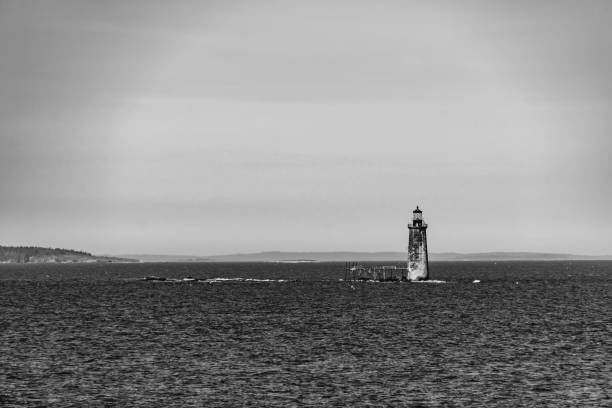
(418, 263)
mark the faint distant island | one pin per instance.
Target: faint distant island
(33, 254)
(306, 257)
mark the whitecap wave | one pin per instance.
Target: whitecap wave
(392, 282)
(429, 281)
(210, 280)
(221, 280)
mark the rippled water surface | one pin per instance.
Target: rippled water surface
(529, 334)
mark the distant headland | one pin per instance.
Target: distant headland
(295, 257)
(34, 254)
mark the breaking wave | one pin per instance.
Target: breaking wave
(209, 280)
(217, 280)
(253, 280)
(429, 281)
(377, 281)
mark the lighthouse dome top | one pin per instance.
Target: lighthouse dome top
(417, 210)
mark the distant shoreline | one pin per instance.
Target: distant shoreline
(310, 257)
(40, 255)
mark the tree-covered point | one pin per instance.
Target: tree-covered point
(26, 253)
(34, 250)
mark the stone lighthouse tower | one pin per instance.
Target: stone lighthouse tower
(418, 263)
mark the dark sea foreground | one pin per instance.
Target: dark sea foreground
(529, 334)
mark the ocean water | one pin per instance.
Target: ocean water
(529, 334)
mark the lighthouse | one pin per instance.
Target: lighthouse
(418, 264)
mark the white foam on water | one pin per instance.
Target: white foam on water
(221, 280)
(265, 280)
(429, 281)
(393, 282)
(212, 280)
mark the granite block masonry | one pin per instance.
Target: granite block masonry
(418, 262)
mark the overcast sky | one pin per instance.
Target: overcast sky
(195, 127)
